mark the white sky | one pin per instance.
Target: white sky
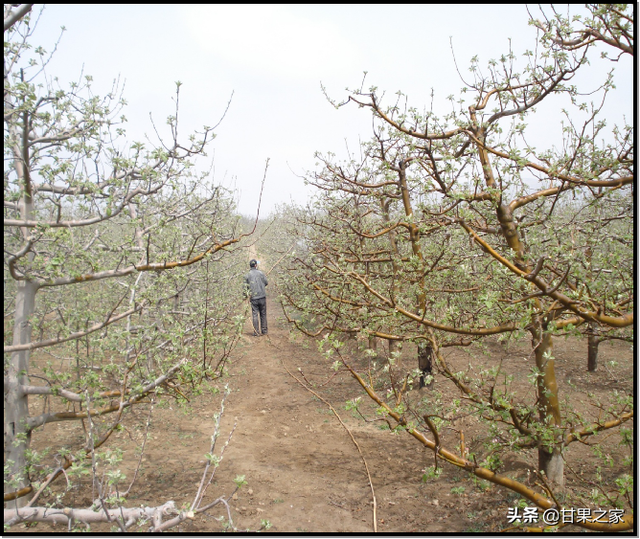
(274, 58)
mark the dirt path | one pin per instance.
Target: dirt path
(290, 446)
(303, 470)
(288, 451)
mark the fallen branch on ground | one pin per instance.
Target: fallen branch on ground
(67, 516)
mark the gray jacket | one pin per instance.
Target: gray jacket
(255, 282)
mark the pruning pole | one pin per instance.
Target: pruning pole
(280, 259)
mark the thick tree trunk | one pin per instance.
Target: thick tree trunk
(550, 459)
(16, 405)
(552, 464)
(425, 354)
(592, 348)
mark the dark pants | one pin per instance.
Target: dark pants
(259, 306)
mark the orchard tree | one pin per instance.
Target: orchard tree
(448, 230)
(119, 270)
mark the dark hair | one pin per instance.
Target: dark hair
(253, 263)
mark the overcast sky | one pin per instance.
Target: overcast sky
(273, 59)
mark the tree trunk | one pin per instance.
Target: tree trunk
(550, 459)
(592, 348)
(552, 464)
(17, 435)
(425, 354)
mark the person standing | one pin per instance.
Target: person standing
(255, 283)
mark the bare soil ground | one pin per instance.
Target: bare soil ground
(303, 471)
